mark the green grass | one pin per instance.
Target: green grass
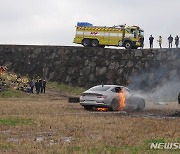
(158, 140)
(66, 88)
(17, 121)
(10, 93)
(147, 144)
(6, 146)
(119, 149)
(107, 149)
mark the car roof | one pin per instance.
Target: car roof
(110, 86)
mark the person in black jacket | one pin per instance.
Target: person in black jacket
(151, 39)
(44, 86)
(37, 86)
(177, 41)
(31, 84)
(170, 39)
(40, 85)
(179, 98)
(142, 42)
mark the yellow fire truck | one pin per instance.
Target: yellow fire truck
(129, 37)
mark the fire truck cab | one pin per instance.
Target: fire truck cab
(101, 36)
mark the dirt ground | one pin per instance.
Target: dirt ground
(47, 123)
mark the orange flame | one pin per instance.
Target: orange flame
(122, 100)
(102, 109)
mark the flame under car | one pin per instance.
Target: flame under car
(113, 97)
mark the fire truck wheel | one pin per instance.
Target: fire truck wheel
(128, 44)
(94, 43)
(115, 105)
(86, 42)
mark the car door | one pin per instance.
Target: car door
(127, 93)
(115, 91)
(131, 99)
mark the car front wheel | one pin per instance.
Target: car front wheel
(115, 105)
(141, 105)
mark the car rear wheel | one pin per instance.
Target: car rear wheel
(88, 107)
(115, 105)
(86, 42)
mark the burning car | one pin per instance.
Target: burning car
(111, 97)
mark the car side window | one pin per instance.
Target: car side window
(113, 90)
(116, 89)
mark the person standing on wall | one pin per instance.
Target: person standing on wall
(151, 39)
(160, 41)
(142, 42)
(170, 39)
(177, 41)
(44, 86)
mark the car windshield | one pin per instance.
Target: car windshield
(99, 88)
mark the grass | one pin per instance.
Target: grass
(6, 147)
(42, 124)
(65, 88)
(16, 121)
(116, 149)
(10, 93)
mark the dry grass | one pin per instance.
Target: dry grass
(50, 125)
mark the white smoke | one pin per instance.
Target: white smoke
(156, 88)
(167, 92)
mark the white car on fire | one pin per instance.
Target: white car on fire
(113, 97)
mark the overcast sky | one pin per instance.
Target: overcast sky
(52, 22)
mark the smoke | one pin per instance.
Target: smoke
(159, 85)
(167, 92)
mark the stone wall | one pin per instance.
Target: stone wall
(86, 67)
